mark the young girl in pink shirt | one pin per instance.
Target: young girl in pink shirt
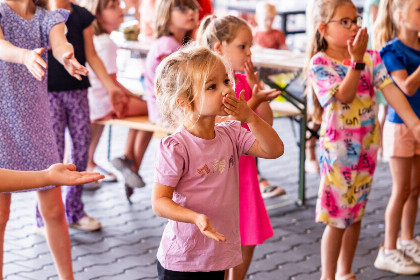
(196, 181)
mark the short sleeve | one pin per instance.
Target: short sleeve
(166, 46)
(392, 58)
(86, 17)
(169, 162)
(56, 17)
(325, 79)
(380, 74)
(281, 39)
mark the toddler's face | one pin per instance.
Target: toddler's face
(265, 21)
(217, 85)
(238, 51)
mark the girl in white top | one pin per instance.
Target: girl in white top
(109, 15)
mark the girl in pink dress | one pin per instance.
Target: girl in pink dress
(231, 37)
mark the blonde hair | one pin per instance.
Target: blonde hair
(182, 75)
(386, 26)
(264, 8)
(222, 30)
(42, 4)
(163, 16)
(95, 7)
(322, 12)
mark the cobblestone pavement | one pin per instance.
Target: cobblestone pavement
(126, 246)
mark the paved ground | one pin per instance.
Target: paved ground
(126, 246)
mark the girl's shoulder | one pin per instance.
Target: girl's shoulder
(51, 18)
(320, 58)
(391, 46)
(230, 127)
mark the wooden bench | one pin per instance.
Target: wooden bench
(136, 122)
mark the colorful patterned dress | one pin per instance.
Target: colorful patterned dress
(27, 141)
(349, 138)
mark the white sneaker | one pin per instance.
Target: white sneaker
(87, 223)
(412, 249)
(395, 261)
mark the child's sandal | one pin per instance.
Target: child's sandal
(345, 277)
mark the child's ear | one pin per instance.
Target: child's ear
(218, 48)
(321, 29)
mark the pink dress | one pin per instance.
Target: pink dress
(254, 222)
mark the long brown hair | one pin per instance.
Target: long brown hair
(95, 7)
(322, 12)
(386, 24)
(163, 17)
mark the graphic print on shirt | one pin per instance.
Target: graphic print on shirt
(218, 166)
(202, 171)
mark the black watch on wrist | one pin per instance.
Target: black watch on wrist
(358, 65)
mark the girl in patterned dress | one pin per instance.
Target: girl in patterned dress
(231, 37)
(27, 140)
(343, 75)
(196, 181)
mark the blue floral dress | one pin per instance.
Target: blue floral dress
(27, 141)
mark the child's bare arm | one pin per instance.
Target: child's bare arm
(268, 143)
(409, 84)
(348, 88)
(165, 207)
(399, 102)
(265, 112)
(117, 96)
(64, 53)
(58, 174)
(30, 58)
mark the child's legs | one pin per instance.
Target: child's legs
(330, 250)
(401, 172)
(77, 106)
(136, 145)
(52, 210)
(348, 248)
(239, 272)
(96, 132)
(58, 115)
(4, 217)
(409, 214)
(136, 106)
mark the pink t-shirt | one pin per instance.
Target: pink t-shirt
(272, 39)
(204, 175)
(163, 46)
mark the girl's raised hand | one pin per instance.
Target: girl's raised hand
(61, 174)
(251, 75)
(207, 229)
(72, 66)
(264, 94)
(237, 108)
(33, 61)
(357, 47)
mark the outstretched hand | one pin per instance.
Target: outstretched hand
(264, 94)
(61, 174)
(34, 63)
(72, 66)
(237, 108)
(357, 47)
(204, 225)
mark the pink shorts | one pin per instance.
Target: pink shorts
(399, 141)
